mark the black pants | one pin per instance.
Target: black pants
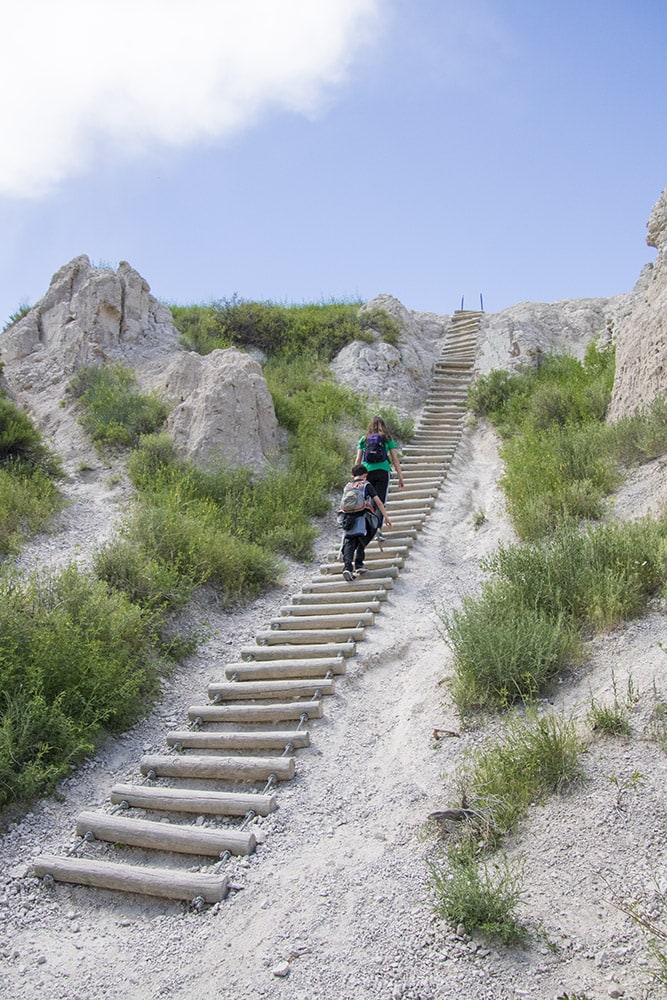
(354, 547)
(379, 479)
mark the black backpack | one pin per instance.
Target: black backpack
(375, 450)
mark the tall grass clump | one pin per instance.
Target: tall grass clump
(29, 471)
(479, 894)
(526, 626)
(323, 328)
(115, 413)
(535, 756)
(559, 460)
(76, 660)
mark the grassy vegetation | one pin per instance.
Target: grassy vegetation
(85, 650)
(75, 658)
(280, 329)
(472, 883)
(115, 413)
(569, 578)
(29, 472)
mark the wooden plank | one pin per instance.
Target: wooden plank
(217, 767)
(257, 713)
(291, 611)
(257, 690)
(167, 882)
(262, 652)
(320, 621)
(207, 841)
(310, 635)
(193, 800)
(281, 669)
(197, 739)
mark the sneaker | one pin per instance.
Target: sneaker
(361, 569)
(348, 575)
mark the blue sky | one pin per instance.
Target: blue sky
(302, 151)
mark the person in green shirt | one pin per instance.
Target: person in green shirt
(378, 452)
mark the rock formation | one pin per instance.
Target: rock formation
(641, 334)
(398, 376)
(222, 408)
(94, 316)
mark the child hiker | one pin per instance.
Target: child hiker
(362, 524)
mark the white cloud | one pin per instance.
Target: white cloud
(77, 76)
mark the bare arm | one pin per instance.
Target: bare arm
(397, 466)
(360, 457)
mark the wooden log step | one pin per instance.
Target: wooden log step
(385, 565)
(289, 611)
(217, 768)
(320, 621)
(191, 800)
(260, 690)
(209, 842)
(167, 882)
(340, 586)
(259, 740)
(277, 669)
(251, 653)
(369, 597)
(253, 712)
(401, 505)
(310, 635)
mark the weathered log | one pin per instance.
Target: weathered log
(281, 669)
(167, 882)
(257, 690)
(193, 800)
(243, 740)
(220, 768)
(278, 652)
(310, 635)
(320, 621)
(158, 836)
(256, 713)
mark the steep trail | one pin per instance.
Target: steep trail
(257, 717)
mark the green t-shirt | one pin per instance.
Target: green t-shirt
(389, 444)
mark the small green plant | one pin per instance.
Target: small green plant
(534, 757)
(624, 788)
(115, 413)
(573, 996)
(22, 311)
(480, 895)
(478, 519)
(612, 720)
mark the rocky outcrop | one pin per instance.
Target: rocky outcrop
(222, 408)
(641, 334)
(93, 316)
(400, 375)
(90, 315)
(524, 333)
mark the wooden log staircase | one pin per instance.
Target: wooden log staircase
(257, 718)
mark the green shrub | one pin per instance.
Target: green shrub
(504, 651)
(482, 896)
(597, 577)
(115, 413)
(75, 659)
(320, 328)
(558, 474)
